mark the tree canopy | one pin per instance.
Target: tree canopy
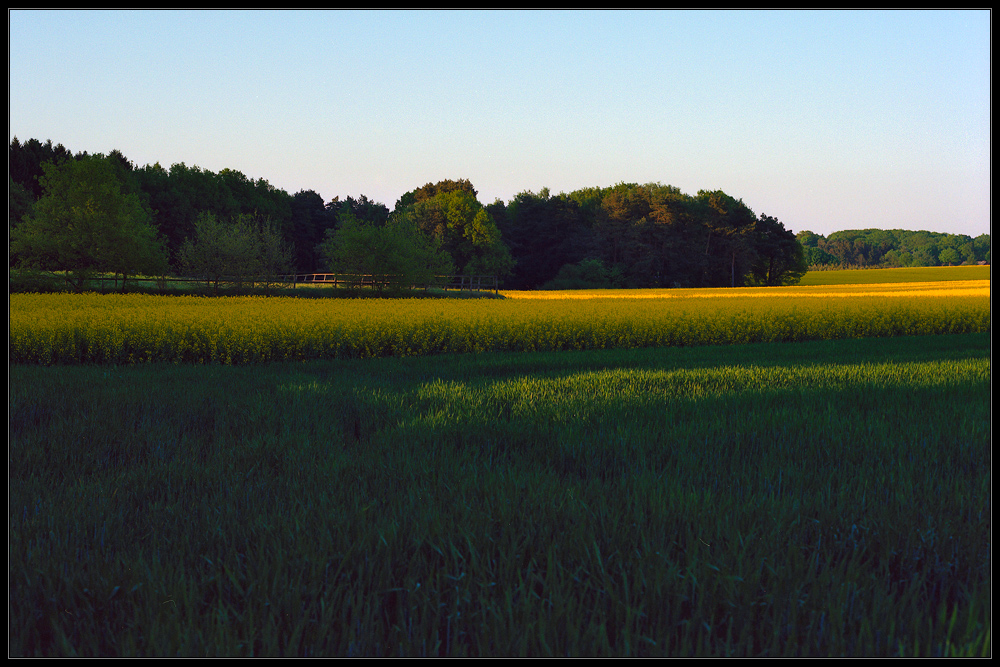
(85, 224)
(431, 190)
(462, 227)
(627, 234)
(240, 249)
(888, 248)
(396, 254)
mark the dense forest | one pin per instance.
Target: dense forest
(892, 248)
(85, 213)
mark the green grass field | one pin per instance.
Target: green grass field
(906, 275)
(818, 498)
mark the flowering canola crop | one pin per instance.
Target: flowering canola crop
(125, 329)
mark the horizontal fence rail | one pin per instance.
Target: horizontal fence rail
(473, 283)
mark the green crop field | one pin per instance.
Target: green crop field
(905, 275)
(774, 472)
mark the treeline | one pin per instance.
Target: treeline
(892, 248)
(650, 235)
(627, 235)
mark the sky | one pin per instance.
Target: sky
(826, 120)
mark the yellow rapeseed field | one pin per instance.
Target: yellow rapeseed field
(125, 329)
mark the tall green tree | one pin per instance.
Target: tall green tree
(464, 229)
(275, 257)
(654, 235)
(396, 254)
(950, 256)
(544, 233)
(25, 160)
(217, 250)
(780, 258)
(176, 196)
(487, 254)
(245, 248)
(310, 220)
(729, 249)
(85, 224)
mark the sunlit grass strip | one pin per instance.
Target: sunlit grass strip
(126, 329)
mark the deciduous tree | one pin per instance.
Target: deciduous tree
(244, 248)
(780, 259)
(464, 230)
(85, 224)
(544, 233)
(396, 254)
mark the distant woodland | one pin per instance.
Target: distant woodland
(892, 248)
(85, 214)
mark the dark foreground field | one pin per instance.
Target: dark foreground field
(799, 499)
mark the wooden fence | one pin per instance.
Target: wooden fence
(478, 283)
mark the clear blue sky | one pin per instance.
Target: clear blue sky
(827, 120)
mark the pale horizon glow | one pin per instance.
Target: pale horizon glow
(826, 120)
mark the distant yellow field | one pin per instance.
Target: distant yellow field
(933, 288)
(123, 329)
